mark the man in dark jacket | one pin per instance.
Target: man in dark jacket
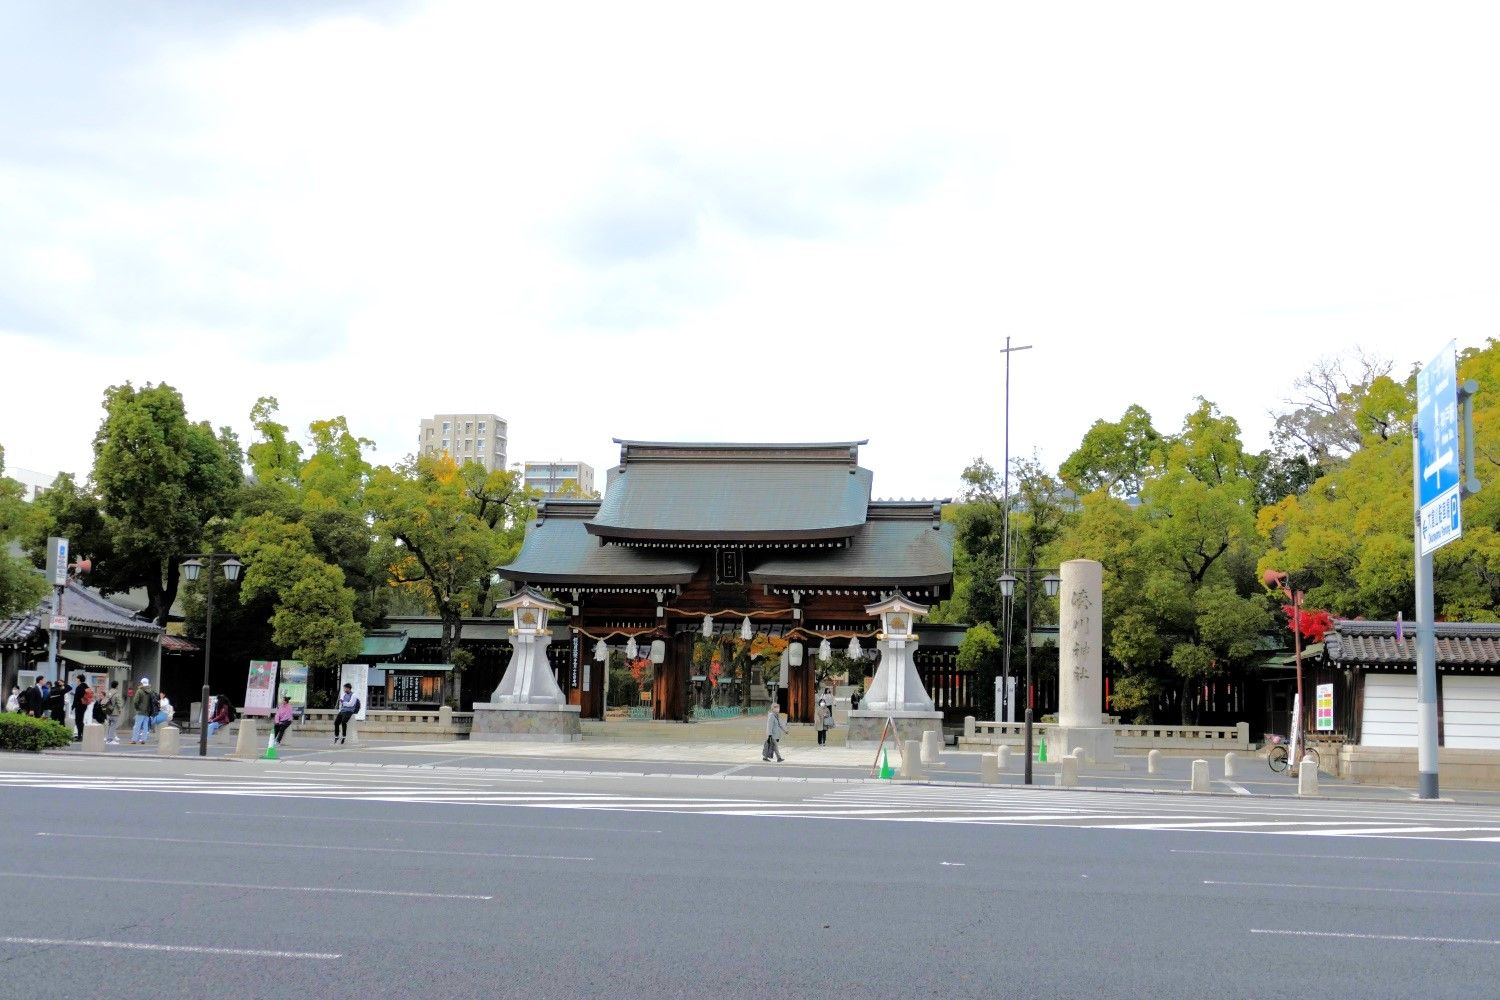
(81, 703)
(32, 698)
(55, 706)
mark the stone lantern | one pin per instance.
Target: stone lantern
(528, 704)
(896, 696)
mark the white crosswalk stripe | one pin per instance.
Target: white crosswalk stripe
(874, 802)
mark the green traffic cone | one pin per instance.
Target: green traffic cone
(885, 766)
(1041, 750)
(270, 748)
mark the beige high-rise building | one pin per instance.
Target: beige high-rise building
(465, 437)
(550, 477)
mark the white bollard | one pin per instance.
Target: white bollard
(1230, 760)
(1002, 757)
(969, 726)
(1153, 762)
(932, 746)
(247, 745)
(1307, 777)
(352, 731)
(445, 717)
(168, 741)
(1081, 754)
(1200, 776)
(989, 769)
(93, 737)
(911, 759)
(1067, 774)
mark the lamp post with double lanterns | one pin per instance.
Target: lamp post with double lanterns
(1050, 583)
(192, 568)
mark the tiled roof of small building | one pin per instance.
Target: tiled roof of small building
(1375, 644)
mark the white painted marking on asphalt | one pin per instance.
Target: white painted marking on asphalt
(312, 847)
(1376, 937)
(1236, 789)
(1176, 825)
(1354, 888)
(189, 948)
(730, 770)
(247, 885)
(425, 822)
(1343, 857)
(954, 864)
(1365, 831)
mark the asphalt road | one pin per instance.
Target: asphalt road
(213, 878)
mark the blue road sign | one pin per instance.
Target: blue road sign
(1438, 507)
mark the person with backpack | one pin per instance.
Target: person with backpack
(112, 705)
(83, 697)
(145, 705)
(348, 707)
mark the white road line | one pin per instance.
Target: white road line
(424, 822)
(312, 847)
(1354, 888)
(1376, 937)
(248, 885)
(1236, 789)
(1175, 825)
(1342, 857)
(191, 949)
(1365, 831)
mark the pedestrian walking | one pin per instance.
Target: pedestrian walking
(83, 698)
(775, 729)
(348, 707)
(223, 715)
(143, 704)
(114, 706)
(284, 717)
(823, 715)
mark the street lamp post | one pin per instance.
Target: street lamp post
(191, 569)
(1050, 583)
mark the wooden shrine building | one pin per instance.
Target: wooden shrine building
(705, 540)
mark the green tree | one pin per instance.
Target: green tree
(21, 587)
(1114, 456)
(443, 530)
(160, 481)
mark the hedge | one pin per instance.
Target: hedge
(22, 732)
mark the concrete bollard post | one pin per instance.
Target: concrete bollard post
(1002, 757)
(1081, 754)
(1230, 761)
(168, 741)
(248, 745)
(911, 759)
(989, 769)
(969, 726)
(932, 746)
(1307, 777)
(93, 737)
(352, 731)
(445, 716)
(1153, 762)
(1067, 774)
(1200, 776)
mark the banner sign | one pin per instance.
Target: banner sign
(357, 676)
(1325, 708)
(261, 688)
(1438, 508)
(293, 682)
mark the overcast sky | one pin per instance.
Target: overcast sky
(760, 221)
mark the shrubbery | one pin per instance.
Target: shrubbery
(22, 732)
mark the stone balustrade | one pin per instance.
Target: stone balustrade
(1166, 738)
(428, 724)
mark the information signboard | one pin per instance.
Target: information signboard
(261, 687)
(1438, 506)
(293, 681)
(1325, 708)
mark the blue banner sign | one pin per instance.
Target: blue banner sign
(1438, 508)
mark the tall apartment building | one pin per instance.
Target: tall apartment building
(465, 437)
(549, 477)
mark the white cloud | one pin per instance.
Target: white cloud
(689, 221)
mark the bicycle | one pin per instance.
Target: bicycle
(1279, 756)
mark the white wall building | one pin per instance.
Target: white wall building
(549, 477)
(465, 437)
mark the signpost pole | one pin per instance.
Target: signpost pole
(1427, 734)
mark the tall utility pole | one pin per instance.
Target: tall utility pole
(1006, 609)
